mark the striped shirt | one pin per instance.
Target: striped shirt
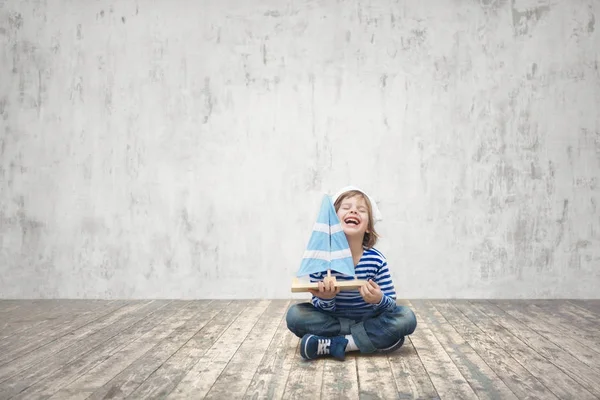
(372, 265)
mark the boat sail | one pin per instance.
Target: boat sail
(327, 250)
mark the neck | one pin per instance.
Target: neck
(356, 248)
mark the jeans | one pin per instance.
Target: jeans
(380, 331)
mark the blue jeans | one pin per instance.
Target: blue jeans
(375, 332)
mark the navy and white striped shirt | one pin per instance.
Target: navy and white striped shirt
(372, 265)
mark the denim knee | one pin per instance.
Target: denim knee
(293, 315)
(403, 321)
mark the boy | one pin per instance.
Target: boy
(367, 319)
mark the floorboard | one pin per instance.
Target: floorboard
(242, 349)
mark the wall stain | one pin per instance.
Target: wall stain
(531, 75)
(524, 20)
(15, 21)
(208, 100)
(272, 13)
(492, 260)
(383, 80)
(3, 112)
(550, 185)
(79, 33)
(592, 23)
(561, 223)
(40, 92)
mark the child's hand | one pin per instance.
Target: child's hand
(327, 290)
(371, 292)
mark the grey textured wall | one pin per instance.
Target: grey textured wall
(181, 148)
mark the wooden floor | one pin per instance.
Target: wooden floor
(74, 349)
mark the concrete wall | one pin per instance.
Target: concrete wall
(181, 148)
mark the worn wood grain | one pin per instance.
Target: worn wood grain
(412, 379)
(133, 341)
(546, 326)
(46, 323)
(483, 380)
(340, 379)
(590, 305)
(243, 349)
(270, 379)
(164, 379)
(199, 380)
(305, 379)
(132, 363)
(15, 313)
(69, 328)
(375, 377)
(31, 313)
(39, 369)
(27, 359)
(237, 375)
(446, 377)
(585, 321)
(568, 364)
(551, 376)
(512, 373)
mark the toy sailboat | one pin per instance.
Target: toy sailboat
(327, 250)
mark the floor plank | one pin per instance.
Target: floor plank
(583, 374)
(27, 314)
(305, 379)
(546, 326)
(412, 379)
(375, 377)
(483, 380)
(200, 379)
(340, 379)
(34, 368)
(138, 337)
(237, 375)
(512, 373)
(270, 379)
(586, 321)
(590, 305)
(155, 375)
(40, 318)
(562, 385)
(156, 349)
(445, 375)
(43, 336)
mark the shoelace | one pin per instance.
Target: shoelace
(324, 345)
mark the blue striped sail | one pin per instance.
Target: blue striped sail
(328, 247)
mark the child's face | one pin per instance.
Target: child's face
(354, 216)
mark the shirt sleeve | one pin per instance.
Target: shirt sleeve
(384, 280)
(322, 304)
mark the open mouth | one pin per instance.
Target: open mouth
(352, 221)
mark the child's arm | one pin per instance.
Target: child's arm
(383, 279)
(324, 298)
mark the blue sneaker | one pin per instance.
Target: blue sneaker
(313, 346)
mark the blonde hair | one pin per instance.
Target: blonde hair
(370, 238)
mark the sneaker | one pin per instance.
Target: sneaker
(313, 346)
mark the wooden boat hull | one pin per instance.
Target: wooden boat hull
(298, 286)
